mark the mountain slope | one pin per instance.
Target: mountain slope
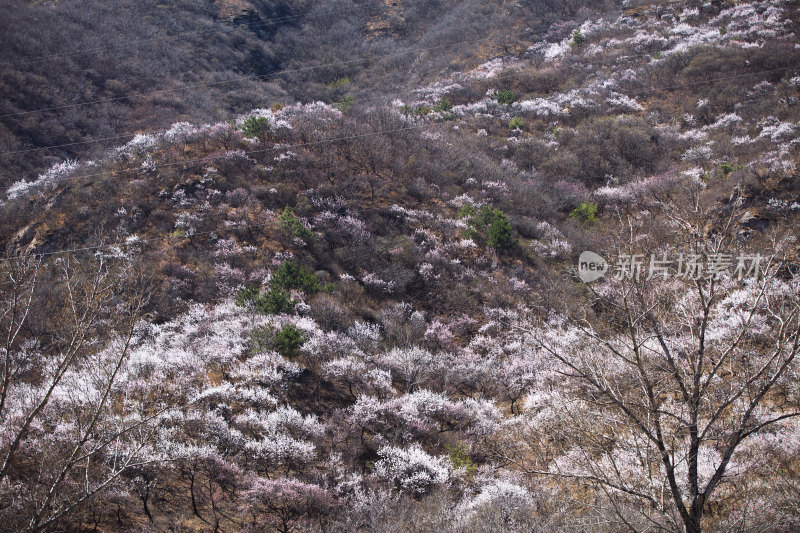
(364, 313)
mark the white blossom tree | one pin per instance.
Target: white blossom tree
(653, 391)
(68, 422)
(412, 469)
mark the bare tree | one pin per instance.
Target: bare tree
(659, 389)
(69, 429)
(18, 278)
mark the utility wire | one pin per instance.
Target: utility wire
(137, 241)
(246, 153)
(10, 257)
(360, 99)
(198, 33)
(244, 78)
(345, 138)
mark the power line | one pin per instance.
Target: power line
(360, 99)
(198, 85)
(202, 85)
(243, 78)
(247, 153)
(26, 150)
(138, 241)
(323, 141)
(344, 138)
(198, 33)
(272, 149)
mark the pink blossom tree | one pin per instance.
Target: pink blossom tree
(283, 504)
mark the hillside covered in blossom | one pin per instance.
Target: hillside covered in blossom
(273, 266)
